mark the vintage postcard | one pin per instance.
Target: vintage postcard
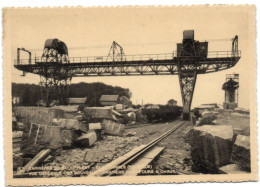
(112, 95)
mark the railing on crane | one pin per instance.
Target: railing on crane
(140, 57)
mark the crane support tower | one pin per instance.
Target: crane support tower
(192, 58)
(54, 86)
(231, 91)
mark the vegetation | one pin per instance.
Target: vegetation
(172, 102)
(31, 93)
(163, 113)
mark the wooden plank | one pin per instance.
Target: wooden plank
(37, 159)
(105, 169)
(141, 163)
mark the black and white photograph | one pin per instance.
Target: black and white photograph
(111, 95)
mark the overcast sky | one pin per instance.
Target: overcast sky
(138, 31)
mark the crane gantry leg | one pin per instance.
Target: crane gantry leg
(54, 89)
(187, 85)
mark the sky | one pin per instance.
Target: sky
(90, 32)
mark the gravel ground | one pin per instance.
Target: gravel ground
(175, 156)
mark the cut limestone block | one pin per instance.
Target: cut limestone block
(55, 140)
(68, 137)
(17, 161)
(232, 169)
(17, 134)
(98, 133)
(16, 149)
(94, 126)
(241, 152)
(86, 140)
(98, 112)
(112, 128)
(211, 147)
(131, 116)
(234, 114)
(39, 115)
(14, 119)
(67, 109)
(72, 124)
(19, 139)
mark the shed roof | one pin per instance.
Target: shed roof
(109, 98)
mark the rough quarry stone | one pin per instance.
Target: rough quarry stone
(211, 147)
(104, 155)
(207, 118)
(112, 128)
(241, 152)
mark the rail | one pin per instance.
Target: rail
(139, 57)
(130, 157)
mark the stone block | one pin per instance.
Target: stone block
(98, 133)
(86, 140)
(211, 147)
(94, 126)
(68, 137)
(17, 161)
(241, 152)
(72, 124)
(98, 112)
(112, 128)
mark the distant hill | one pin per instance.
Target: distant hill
(31, 93)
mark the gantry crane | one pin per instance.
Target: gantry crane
(192, 58)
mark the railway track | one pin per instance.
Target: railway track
(137, 159)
